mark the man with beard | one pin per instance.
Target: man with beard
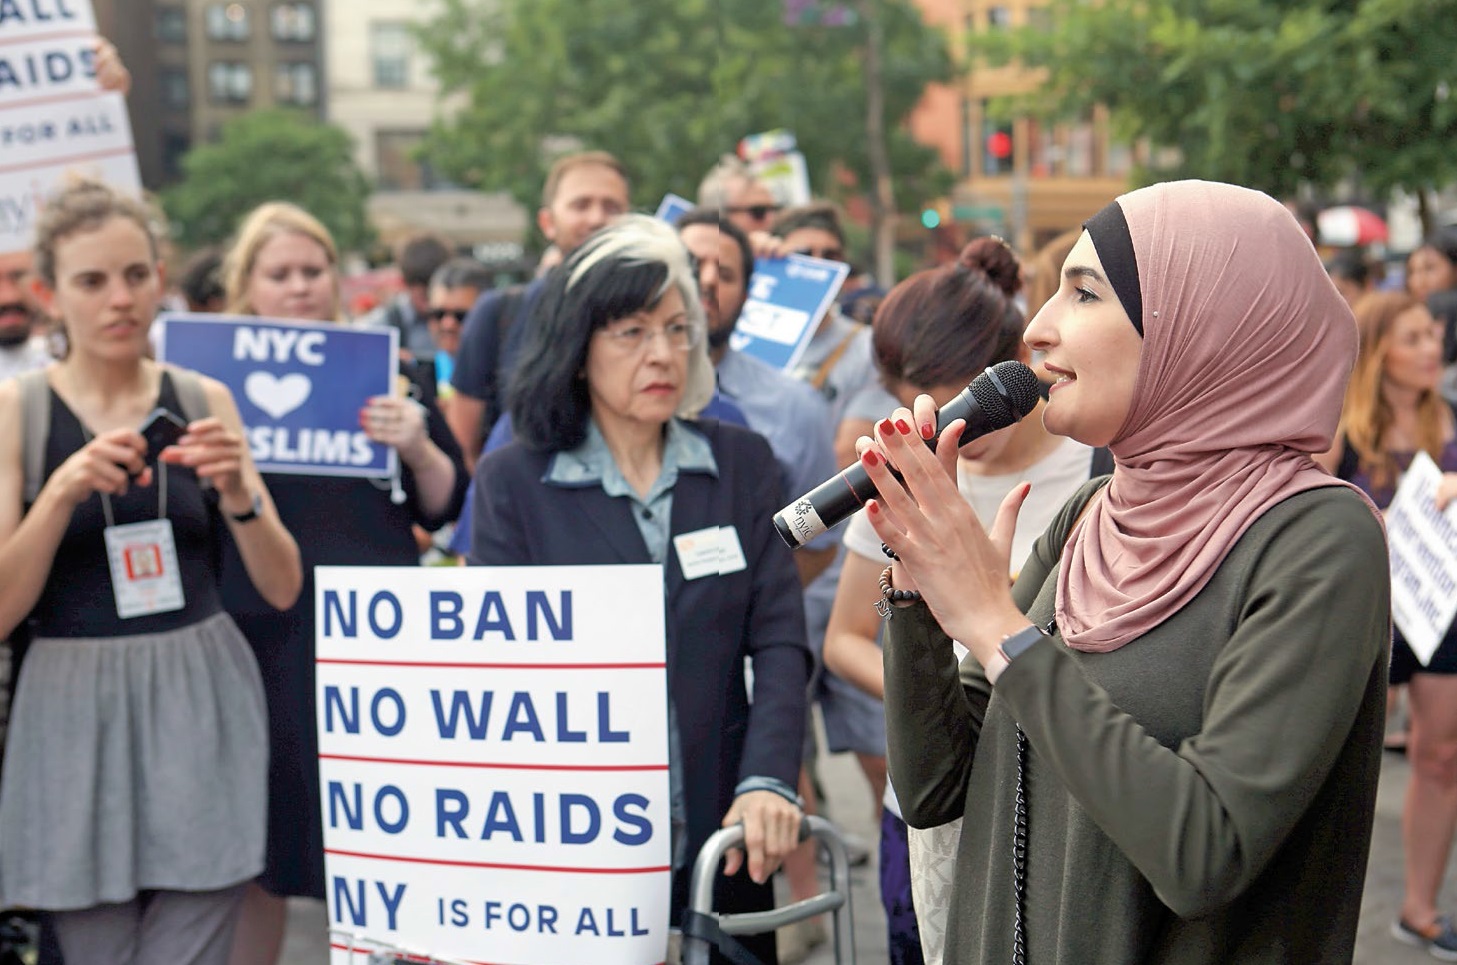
(22, 346)
(787, 412)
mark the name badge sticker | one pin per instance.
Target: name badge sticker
(714, 551)
(144, 574)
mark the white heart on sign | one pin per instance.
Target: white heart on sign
(275, 396)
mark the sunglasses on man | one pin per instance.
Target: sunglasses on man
(756, 211)
(437, 314)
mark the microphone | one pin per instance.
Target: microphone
(1000, 396)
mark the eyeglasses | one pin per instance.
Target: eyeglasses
(756, 211)
(632, 339)
(436, 314)
(828, 254)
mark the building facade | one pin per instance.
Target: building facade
(381, 90)
(1015, 175)
(197, 63)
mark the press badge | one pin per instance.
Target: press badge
(714, 551)
(144, 574)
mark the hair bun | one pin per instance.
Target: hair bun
(993, 257)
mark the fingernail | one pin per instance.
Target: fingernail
(903, 426)
(927, 430)
(885, 427)
(870, 458)
(873, 507)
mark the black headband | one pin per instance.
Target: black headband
(1109, 231)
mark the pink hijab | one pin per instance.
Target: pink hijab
(1247, 347)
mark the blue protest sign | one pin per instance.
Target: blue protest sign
(672, 207)
(787, 298)
(299, 386)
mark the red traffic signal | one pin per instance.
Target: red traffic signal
(999, 145)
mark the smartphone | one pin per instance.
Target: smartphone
(161, 429)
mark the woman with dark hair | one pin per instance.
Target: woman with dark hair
(1166, 738)
(608, 468)
(934, 333)
(1393, 411)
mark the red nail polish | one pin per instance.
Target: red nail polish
(869, 458)
(903, 426)
(886, 426)
(873, 507)
(927, 430)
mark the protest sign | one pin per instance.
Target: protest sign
(672, 207)
(299, 386)
(787, 299)
(1423, 547)
(53, 118)
(493, 760)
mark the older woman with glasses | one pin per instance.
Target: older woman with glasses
(608, 467)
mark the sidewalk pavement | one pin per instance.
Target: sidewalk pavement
(849, 806)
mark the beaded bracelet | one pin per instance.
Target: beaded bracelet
(892, 594)
(889, 552)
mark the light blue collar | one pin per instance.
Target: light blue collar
(591, 463)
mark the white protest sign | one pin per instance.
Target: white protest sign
(493, 761)
(53, 119)
(1423, 546)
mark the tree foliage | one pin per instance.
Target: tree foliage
(668, 86)
(272, 155)
(1268, 93)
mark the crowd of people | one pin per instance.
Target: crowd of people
(1116, 675)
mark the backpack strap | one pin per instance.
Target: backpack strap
(35, 429)
(190, 393)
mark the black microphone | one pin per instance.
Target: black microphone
(1000, 396)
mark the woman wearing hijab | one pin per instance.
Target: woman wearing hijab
(1166, 740)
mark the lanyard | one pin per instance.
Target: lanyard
(161, 497)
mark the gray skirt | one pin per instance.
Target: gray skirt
(134, 763)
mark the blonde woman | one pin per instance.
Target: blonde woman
(1393, 410)
(284, 265)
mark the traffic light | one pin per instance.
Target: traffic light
(935, 214)
(999, 149)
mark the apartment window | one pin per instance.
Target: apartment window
(229, 82)
(171, 25)
(227, 21)
(1040, 19)
(175, 145)
(389, 45)
(395, 158)
(998, 18)
(295, 84)
(176, 93)
(293, 22)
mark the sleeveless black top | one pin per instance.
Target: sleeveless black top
(78, 599)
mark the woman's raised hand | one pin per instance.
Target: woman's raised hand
(395, 421)
(959, 567)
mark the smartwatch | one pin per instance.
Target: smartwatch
(1019, 643)
(251, 513)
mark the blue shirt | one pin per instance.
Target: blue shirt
(792, 416)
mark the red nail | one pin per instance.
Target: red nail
(886, 426)
(903, 426)
(870, 458)
(927, 430)
(873, 507)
